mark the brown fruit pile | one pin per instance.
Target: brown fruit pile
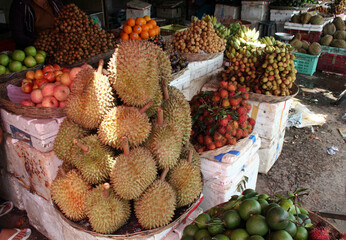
(74, 38)
(220, 118)
(201, 36)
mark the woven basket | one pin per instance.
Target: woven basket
(315, 219)
(180, 73)
(194, 57)
(273, 99)
(182, 213)
(27, 111)
(20, 74)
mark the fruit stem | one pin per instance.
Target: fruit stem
(164, 173)
(106, 192)
(159, 116)
(61, 171)
(146, 107)
(85, 148)
(126, 146)
(100, 67)
(189, 158)
(165, 90)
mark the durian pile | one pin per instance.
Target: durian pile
(334, 34)
(304, 46)
(200, 37)
(125, 144)
(306, 18)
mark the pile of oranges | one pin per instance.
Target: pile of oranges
(139, 28)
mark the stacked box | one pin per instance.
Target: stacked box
(35, 170)
(271, 121)
(38, 133)
(280, 16)
(226, 169)
(223, 11)
(200, 68)
(254, 11)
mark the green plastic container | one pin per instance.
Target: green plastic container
(306, 63)
(171, 29)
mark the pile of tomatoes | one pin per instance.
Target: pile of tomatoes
(139, 28)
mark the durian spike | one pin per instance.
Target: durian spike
(85, 148)
(159, 116)
(105, 72)
(146, 107)
(165, 90)
(106, 190)
(189, 158)
(164, 173)
(126, 146)
(100, 67)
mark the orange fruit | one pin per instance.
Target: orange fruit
(153, 22)
(152, 32)
(131, 22)
(145, 35)
(127, 29)
(140, 21)
(38, 74)
(147, 18)
(137, 29)
(30, 75)
(134, 35)
(145, 27)
(139, 38)
(157, 29)
(124, 36)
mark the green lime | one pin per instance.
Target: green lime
(190, 230)
(4, 59)
(215, 211)
(305, 218)
(216, 226)
(230, 204)
(247, 191)
(277, 218)
(30, 61)
(220, 237)
(286, 204)
(15, 66)
(24, 68)
(248, 207)
(302, 233)
(264, 203)
(264, 211)
(43, 53)
(303, 210)
(202, 220)
(239, 234)
(291, 217)
(232, 219)
(202, 234)
(280, 235)
(255, 237)
(187, 238)
(30, 51)
(263, 196)
(2, 69)
(39, 58)
(256, 225)
(291, 229)
(294, 210)
(18, 55)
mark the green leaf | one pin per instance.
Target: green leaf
(301, 190)
(212, 129)
(308, 225)
(280, 196)
(291, 195)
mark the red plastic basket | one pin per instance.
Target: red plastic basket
(310, 36)
(332, 60)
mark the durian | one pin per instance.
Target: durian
(315, 48)
(186, 180)
(133, 172)
(326, 40)
(133, 72)
(157, 101)
(196, 160)
(176, 111)
(63, 144)
(165, 142)
(155, 207)
(93, 159)
(305, 18)
(329, 29)
(69, 193)
(127, 122)
(305, 44)
(90, 99)
(340, 35)
(164, 65)
(339, 24)
(106, 212)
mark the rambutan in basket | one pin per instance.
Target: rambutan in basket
(333, 231)
(194, 57)
(273, 99)
(27, 111)
(125, 231)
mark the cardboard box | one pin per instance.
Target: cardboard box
(137, 9)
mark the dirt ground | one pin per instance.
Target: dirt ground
(303, 163)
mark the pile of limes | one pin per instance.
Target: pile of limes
(20, 60)
(251, 216)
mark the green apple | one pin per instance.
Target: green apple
(18, 55)
(4, 59)
(30, 51)
(15, 66)
(39, 58)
